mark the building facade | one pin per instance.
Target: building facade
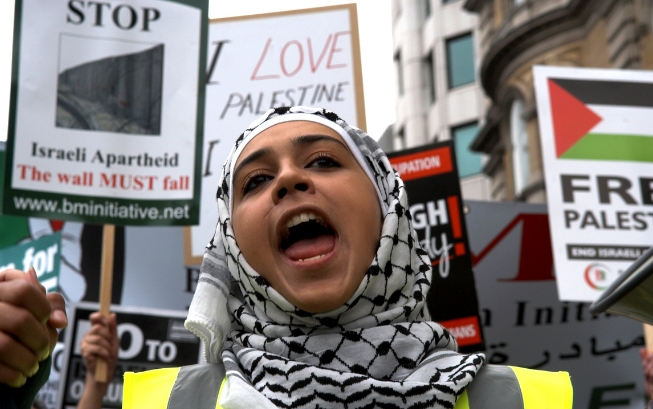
(514, 35)
(438, 93)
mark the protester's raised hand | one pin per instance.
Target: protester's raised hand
(29, 320)
(101, 341)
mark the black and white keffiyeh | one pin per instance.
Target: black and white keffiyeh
(379, 349)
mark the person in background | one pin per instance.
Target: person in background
(101, 341)
(29, 324)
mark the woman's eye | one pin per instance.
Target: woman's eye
(254, 181)
(324, 162)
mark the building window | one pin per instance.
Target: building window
(448, 1)
(429, 78)
(469, 162)
(460, 60)
(519, 141)
(400, 73)
(427, 8)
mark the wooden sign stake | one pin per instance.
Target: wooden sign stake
(105, 289)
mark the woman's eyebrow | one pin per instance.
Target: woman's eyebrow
(251, 158)
(313, 138)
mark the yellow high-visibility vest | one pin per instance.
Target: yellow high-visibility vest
(498, 386)
(495, 386)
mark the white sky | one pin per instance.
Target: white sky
(374, 25)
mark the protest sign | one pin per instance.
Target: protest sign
(596, 135)
(431, 179)
(303, 57)
(106, 114)
(526, 325)
(149, 339)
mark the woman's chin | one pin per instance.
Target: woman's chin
(320, 302)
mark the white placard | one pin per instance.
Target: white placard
(106, 108)
(597, 146)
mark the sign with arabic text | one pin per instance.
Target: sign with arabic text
(106, 114)
(597, 144)
(304, 57)
(431, 179)
(525, 324)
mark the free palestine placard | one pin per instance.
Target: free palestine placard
(597, 146)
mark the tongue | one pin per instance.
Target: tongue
(309, 248)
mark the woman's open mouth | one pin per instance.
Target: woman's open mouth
(307, 237)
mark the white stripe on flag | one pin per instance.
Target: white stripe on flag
(621, 120)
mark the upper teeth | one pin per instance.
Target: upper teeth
(301, 218)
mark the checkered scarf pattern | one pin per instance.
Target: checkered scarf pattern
(379, 349)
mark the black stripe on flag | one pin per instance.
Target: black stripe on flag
(594, 92)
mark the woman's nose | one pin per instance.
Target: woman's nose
(291, 180)
(302, 187)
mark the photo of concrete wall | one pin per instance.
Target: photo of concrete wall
(119, 93)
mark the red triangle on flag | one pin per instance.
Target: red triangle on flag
(56, 225)
(572, 119)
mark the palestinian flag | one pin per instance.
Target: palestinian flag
(602, 120)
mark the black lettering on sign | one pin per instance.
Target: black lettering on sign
(123, 16)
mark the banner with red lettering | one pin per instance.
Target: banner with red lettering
(431, 178)
(305, 57)
(107, 104)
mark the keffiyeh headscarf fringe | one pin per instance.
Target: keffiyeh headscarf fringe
(379, 349)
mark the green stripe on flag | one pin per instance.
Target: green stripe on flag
(633, 148)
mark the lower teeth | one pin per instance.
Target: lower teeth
(312, 258)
